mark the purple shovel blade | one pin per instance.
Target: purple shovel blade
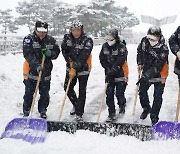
(163, 130)
(177, 131)
(28, 129)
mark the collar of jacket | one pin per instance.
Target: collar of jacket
(160, 43)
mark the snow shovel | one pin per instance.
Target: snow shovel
(168, 130)
(63, 126)
(29, 129)
(142, 132)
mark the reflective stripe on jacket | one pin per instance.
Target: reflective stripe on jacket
(78, 73)
(26, 74)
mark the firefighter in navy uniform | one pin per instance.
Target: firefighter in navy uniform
(152, 60)
(113, 58)
(33, 46)
(174, 44)
(76, 49)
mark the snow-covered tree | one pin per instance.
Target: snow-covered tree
(61, 17)
(34, 10)
(27, 15)
(124, 19)
(7, 22)
(99, 15)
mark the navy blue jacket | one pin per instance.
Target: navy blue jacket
(32, 51)
(77, 50)
(174, 44)
(153, 58)
(113, 58)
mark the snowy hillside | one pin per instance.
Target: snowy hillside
(11, 98)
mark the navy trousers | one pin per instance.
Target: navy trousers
(117, 88)
(43, 102)
(157, 101)
(78, 102)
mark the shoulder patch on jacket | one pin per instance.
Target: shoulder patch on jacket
(115, 53)
(178, 36)
(56, 43)
(106, 51)
(162, 55)
(122, 50)
(27, 40)
(88, 44)
(69, 43)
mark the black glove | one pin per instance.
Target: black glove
(39, 68)
(109, 78)
(48, 53)
(143, 79)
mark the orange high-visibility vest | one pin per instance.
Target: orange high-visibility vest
(26, 69)
(125, 70)
(89, 62)
(164, 72)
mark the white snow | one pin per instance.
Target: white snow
(84, 142)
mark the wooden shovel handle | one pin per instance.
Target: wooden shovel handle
(178, 107)
(37, 86)
(64, 100)
(135, 97)
(102, 102)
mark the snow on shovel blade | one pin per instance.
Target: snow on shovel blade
(141, 132)
(28, 129)
(163, 130)
(69, 127)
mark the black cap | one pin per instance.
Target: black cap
(154, 31)
(112, 34)
(41, 26)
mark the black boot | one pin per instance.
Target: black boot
(122, 110)
(111, 117)
(79, 118)
(43, 115)
(73, 111)
(144, 114)
(25, 114)
(153, 122)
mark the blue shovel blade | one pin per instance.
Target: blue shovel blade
(28, 129)
(163, 130)
(177, 131)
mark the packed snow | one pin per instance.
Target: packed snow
(85, 142)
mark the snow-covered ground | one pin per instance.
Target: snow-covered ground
(11, 98)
